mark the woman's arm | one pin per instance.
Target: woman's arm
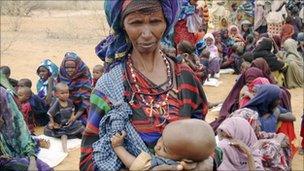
(49, 95)
(287, 117)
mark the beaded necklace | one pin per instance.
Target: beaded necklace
(154, 108)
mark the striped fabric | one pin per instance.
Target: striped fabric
(191, 102)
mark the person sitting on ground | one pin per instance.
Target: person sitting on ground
(244, 66)
(234, 59)
(75, 73)
(24, 94)
(7, 72)
(47, 72)
(18, 148)
(214, 59)
(171, 146)
(38, 105)
(237, 139)
(62, 117)
(98, 70)
(250, 44)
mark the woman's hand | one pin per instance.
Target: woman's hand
(117, 139)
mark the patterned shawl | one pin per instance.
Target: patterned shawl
(115, 46)
(80, 83)
(42, 85)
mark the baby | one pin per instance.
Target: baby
(62, 119)
(7, 72)
(189, 140)
(25, 82)
(97, 73)
(24, 94)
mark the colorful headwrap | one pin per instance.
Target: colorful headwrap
(43, 84)
(80, 83)
(186, 9)
(115, 46)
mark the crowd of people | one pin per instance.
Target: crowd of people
(145, 107)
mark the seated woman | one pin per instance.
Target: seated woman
(75, 73)
(47, 72)
(294, 76)
(237, 140)
(18, 149)
(235, 34)
(231, 102)
(275, 149)
(142, 85)
(267, 103)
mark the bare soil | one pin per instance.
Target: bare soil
(49, 34)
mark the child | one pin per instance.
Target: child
(24, 94)
(7, 72)
(244, 66)
(62, 117)
(172, 146)
(250, 45)
(47, 72)
(24, 82)
(38, 106)
(97, 73)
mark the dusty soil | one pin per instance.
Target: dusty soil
(52, 33)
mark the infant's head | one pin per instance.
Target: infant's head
(25, 82)
(188, 139)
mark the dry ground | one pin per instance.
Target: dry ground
(52, 33)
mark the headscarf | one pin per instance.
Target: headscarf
(115, 46)
(212, 48)
(80, 83)
(53, 72)
(261, 63)
(238, 36)
(250, 115)
(256, 82)
(266, 94)
(231, 102)
(233, 159)
(290, 46)
(287, 32)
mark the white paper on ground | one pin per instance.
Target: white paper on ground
(212, 82)
(227, 71)
(55, 155)
(216, 108)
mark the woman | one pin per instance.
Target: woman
(262, 65)
(263, 50)
(151, 90)
(294, 74)
(273, 147)
(231, 102)
(246, 28)
(267, 103)
(75, 73)
(18, 149)
(246, 157)
(236, 35)
(47, 72)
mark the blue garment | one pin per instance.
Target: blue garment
(39, 110)
(186, 10)
(268, 124)
(115, 46)
(265, 96)
(200, 46)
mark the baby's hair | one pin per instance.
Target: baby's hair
(60, 85)
(186, 47)
(250, 38)
(205, 53)
(26, 82)
(99, 67)
(5, 70)
(26, 90)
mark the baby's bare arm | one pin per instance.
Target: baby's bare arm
(121, 152)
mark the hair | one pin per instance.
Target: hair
(288, 19)
(5, 70)
(27, 82)
(60, 85)
(186, 47)
(99, 67)
(247, 56)
(205, 53)
(142, 6)
(250, 38)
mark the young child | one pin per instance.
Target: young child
(7, 72)
(47, 72)
(25, 82)
(250, 45)
(62, 117)
(38, 105)
(24, 94)
(97, 73)
(172, 146)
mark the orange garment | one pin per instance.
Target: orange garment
(287, 32)
(199, 35)
(287, 128)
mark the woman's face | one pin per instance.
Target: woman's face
(145, 31)
(245, 27)
(233, 31)
(43, 73)
(70, 67)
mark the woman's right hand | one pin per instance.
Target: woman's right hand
(117, 139)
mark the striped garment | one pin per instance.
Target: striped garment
(191, 102)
